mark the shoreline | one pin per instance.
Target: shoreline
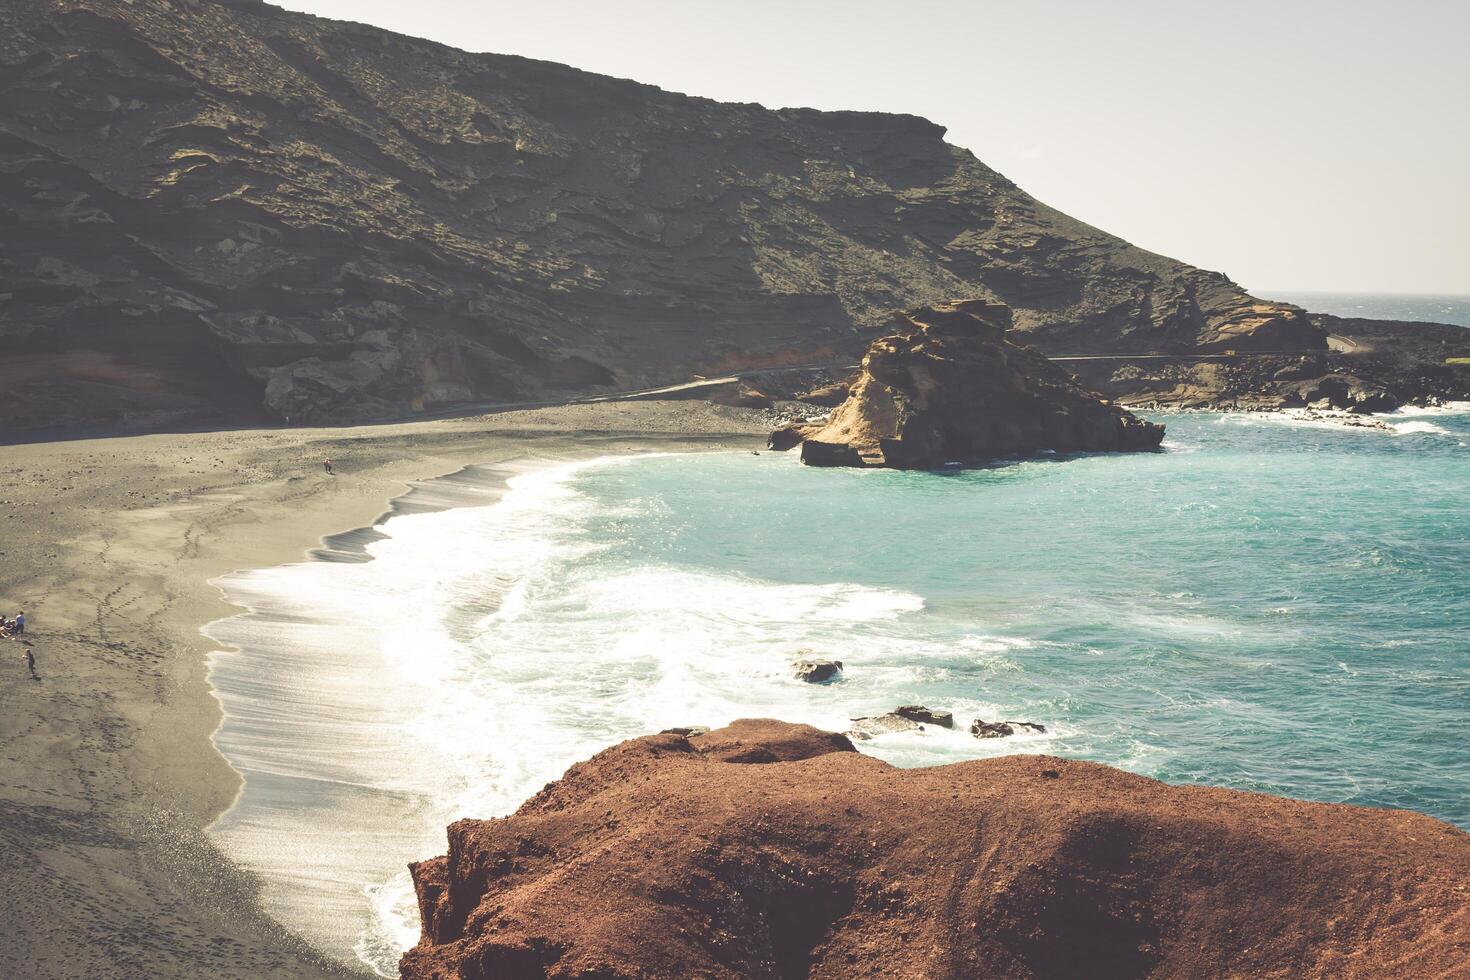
(321, 794)
(111, 774)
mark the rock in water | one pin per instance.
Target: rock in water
(865, 728)
(907, 718)
(817, 671)
(773, 850)
(927, 716)
(981, 728)
(948, 386)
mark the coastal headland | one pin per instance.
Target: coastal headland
(220, 211)
(268, 240)
(766, 849)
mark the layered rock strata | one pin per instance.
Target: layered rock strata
(226, 210)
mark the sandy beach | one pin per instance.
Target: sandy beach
(109, 776)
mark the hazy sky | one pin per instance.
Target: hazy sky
(1292, 145)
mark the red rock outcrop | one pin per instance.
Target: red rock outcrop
(773, 850)
(947, 386)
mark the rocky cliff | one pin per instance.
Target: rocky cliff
(222, 209)
(948, 386)
(770, 850)
(1371, 366)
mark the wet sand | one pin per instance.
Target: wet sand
(108, 775)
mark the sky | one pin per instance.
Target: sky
(1294, 145)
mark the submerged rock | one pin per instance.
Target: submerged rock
(1328, 416)
(927, 716)
(947, 386)
(1001, 729)
(910, 717)
(865, 728)
(817, 671)
(774, 850)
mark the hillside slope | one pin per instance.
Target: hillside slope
(222, 208)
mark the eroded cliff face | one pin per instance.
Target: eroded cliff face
(225, 208)
(948, 386)
(1371, 366)
(772, 850)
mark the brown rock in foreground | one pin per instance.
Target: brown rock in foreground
(947, 386)
(774, 850)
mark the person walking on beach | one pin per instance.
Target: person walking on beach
(31, 664)
(327, 465)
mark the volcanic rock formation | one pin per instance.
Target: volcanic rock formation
(948, 386)
(768, 850)
(817, 671)
(1372, 366)
(981, 728)
(224, 208)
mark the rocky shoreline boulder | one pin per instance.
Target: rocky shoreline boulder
(907, 718)
(926, 716)
(948, 387)
(981, 728)
(817, 671)
(766, 849)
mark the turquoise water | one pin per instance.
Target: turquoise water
(1267, 606)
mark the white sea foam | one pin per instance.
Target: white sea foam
(934, 745)
(1416, 414)
(1418, 427)
(480, 653)
(1303, 418)
(1395, 421)
(326, 686)
(1448, 408)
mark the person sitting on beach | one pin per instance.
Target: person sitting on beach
(4, 626)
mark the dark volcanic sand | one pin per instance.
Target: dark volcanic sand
(107, 773)
(773, 850)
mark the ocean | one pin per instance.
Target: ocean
(1444, 308)
(1266, 604)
